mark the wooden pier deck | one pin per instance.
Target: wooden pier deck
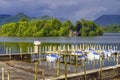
(15, 56)
(62, 77)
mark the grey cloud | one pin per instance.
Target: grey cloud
(70, 9)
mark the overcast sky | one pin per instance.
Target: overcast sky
(69, 9)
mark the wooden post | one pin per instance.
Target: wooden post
(58, 66)
(116, 59)
(36, 48)
(94, 63)
(9, 52)
(36, 43)
(76, 63)
(85, 70)
(83, 46)
(3, 73)
(8, 74)
(101, 64)
(36, 70)
(21, 53)
(8, 71)
(70, 59)
(43, 74)
(65, 67)
(6, 50)
(31, 53)
(39, 51)
(80, 47)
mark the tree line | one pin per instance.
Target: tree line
(112, 28)
(50, 28)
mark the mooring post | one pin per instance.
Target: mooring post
(58, 65)
(65, 67)
(36, 70)
(3, 73)
(116, 58)
(43, 74)
(31, 53)
(85, 70)
(21, 53)
(101, 64)
(8, 74)
(36, 50)
(76, 63)
(6, 50)
(9, 51)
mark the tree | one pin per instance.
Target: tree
(24, 19)
(92, 33)
(78, 27)
(48, 28)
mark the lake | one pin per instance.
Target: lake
(17, 42)
(106, 38)
(14, 44)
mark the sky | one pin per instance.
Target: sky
(69, 9)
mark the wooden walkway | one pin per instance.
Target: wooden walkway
(15, 56)
(62, 77)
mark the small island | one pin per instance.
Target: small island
(49, 28)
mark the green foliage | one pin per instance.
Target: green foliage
(112, 28)
(23, 18)
(89, 28)
(48, 28)
(92, 33)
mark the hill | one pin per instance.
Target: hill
(2, 16)
(107, 20)
(8, 18)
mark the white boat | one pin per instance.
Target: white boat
(114, 51)
(52, 57)
(89, 50)
(77, 53)
(83, 58)
(107, 53)
(37, 43)
(93, 55)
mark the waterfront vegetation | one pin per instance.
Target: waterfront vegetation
(112, 28)
(50, 28)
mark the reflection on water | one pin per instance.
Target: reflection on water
(106, 38)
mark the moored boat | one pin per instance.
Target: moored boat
(52, 57)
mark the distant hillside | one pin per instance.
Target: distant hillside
(2, 16)
(8, 18)
(106, 20)
(45, 17)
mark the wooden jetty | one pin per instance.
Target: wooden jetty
(15, 57)
(72, 76)
(65, 52)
